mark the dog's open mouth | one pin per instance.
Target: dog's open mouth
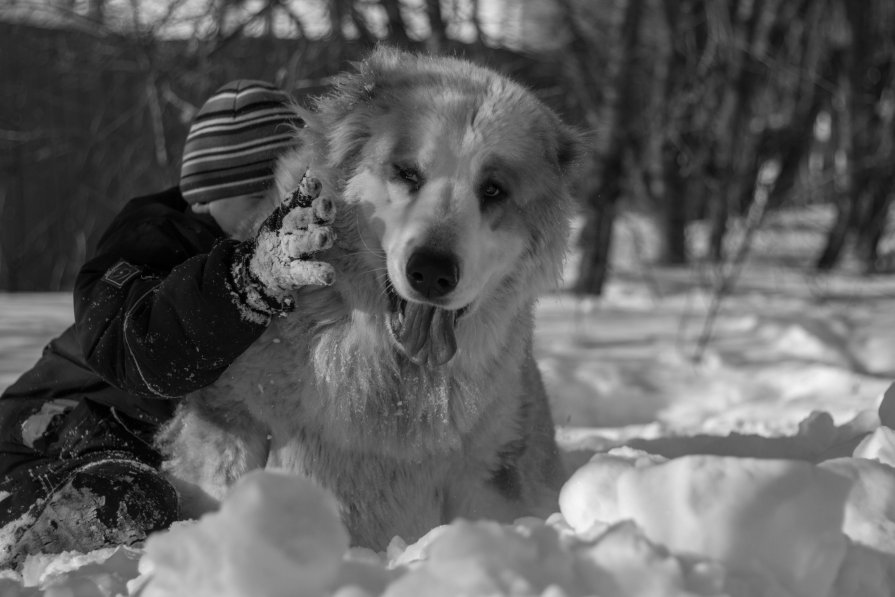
(426, 334)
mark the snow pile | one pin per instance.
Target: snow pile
(631, 524)
(772, 359)
(279, 536)
(777, 520)
(275, 535)
(537, 558)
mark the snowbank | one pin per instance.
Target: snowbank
(631, 524)
(275, 534)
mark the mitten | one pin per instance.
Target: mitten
(278, 260)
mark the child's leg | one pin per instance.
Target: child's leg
(75, 475)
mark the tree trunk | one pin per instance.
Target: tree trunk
(336, 20)
(873, 82)
(96, 10)
(596, 245)
(736, 155)
(837, 234)
(675, 217)
(435, 42)
(396, 27)
(363, 29)
(793, 144)
(663, 176)
(616, 115)
(719, 212)
(873, 224)
(843, 191)
(792, 149)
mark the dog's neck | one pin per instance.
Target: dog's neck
(367, 391)
(371, 394)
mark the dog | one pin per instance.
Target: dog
(407, 388)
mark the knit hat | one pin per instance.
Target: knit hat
(234, 141)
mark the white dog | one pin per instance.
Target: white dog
(408, 387)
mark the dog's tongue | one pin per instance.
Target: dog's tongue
(427, 334)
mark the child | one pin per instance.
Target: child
(178, 288)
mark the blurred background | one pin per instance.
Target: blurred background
(712, 120)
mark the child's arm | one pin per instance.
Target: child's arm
(163, 323)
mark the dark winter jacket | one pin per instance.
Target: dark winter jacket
(154, 317)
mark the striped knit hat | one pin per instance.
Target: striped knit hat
(234, 141)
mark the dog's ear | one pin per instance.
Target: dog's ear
(342, 116)
(385, 59)
(361, 85)
(571, 147)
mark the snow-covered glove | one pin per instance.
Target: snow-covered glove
(278, 260)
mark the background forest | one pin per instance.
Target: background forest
(719, 113)
(734, 220)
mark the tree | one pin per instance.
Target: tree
(610, 106)
(864, 66)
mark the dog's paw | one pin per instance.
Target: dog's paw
(283, 256)
(303, 242)
(307, 222)
(305, 273)
(320, 211)
(306, 229)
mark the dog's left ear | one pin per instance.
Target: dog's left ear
(570, 148)
(382, 64)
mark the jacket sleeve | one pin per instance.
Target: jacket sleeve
(153, 320)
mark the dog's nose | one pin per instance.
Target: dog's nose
(431, 273)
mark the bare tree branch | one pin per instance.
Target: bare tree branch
(396, 26)
(295, 19)
(437, 26)
(360, 23)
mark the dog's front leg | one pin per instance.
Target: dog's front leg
(207, 448)
(513, 466)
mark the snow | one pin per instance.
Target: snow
(27, 322)
(761, 469)
(275, 531)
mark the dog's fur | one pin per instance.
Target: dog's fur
(417, 152)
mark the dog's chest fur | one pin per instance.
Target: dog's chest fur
(344, 376)
(399, 444)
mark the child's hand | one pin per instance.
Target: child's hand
(280, 257)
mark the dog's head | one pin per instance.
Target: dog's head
(457, 178)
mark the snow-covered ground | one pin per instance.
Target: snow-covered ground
(759, 469)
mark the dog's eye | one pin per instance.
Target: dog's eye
(409, 175)
(491, 192)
